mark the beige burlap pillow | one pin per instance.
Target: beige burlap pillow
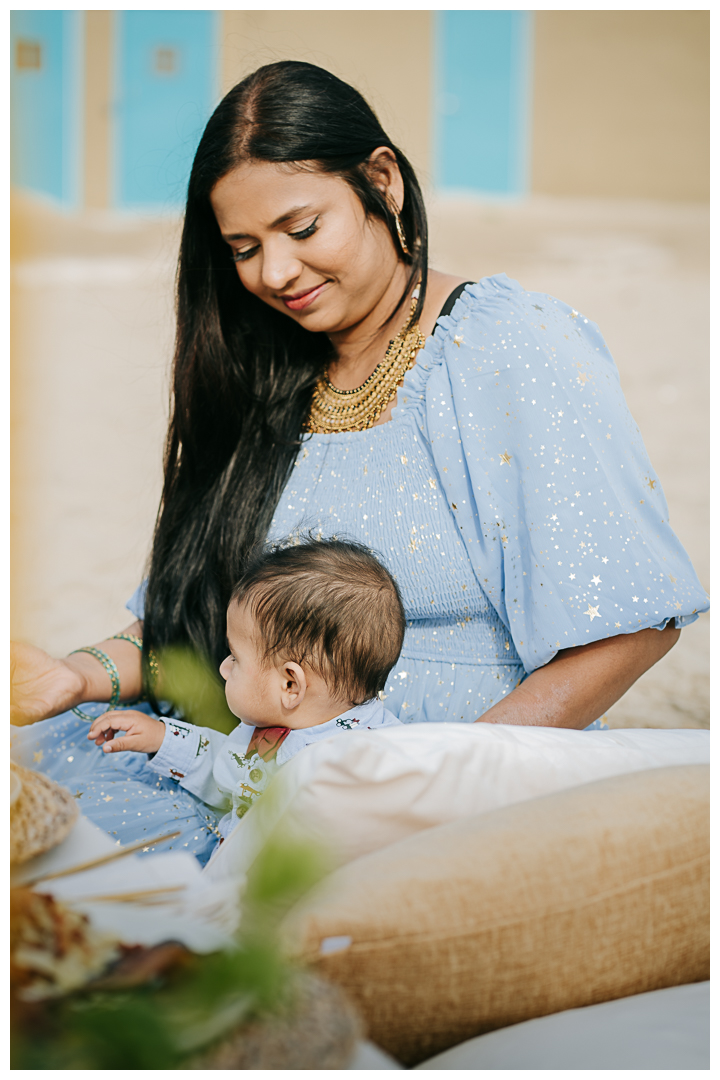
(42, 813)
(587, 895)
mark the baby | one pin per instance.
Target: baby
(314, 630)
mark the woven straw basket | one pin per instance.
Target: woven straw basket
(42, 813)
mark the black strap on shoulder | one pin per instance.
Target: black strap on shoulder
(450, 302)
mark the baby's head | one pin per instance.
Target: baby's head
(313, 629)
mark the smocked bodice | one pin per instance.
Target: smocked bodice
(381, 488)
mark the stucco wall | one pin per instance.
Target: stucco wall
(98, 67)
(621, 104)
(620, 98)
(387, 55)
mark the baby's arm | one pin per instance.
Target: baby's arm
(143, 733)
(180, 751)
(187, 755)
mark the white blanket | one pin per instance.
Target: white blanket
(354, 795)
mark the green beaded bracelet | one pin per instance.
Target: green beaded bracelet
(152, 658)
(132, 638)
(111, 668)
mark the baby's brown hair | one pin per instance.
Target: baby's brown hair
(330, 604)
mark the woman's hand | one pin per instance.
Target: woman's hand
(142, 733)
(40, 685)
(580, 684)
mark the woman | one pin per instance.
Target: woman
(474, 435)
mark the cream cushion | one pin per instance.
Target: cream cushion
(358, 792)
(665, 1029)
(587, 895)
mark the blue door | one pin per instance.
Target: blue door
(46, 104)
(483, 101)
(166, 79)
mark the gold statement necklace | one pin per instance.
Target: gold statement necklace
(334, 410)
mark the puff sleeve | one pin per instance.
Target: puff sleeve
(544, 468)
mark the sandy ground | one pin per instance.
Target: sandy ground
(92, 339)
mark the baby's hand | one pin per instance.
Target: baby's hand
(142, 733)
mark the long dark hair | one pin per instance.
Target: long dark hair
(243, 372)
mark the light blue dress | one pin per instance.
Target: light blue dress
(512, 498)
(510, 495)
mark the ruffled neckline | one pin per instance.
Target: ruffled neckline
(412, 394)
(411, 397)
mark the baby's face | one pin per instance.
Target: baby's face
(249, 684)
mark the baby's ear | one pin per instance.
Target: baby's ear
(294, 684)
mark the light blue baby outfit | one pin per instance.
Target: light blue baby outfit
(510, 495)
(225, 772)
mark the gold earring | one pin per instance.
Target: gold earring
(401, 234)
(398, 225)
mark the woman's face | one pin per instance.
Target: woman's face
(302, 243)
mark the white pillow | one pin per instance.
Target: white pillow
(662, 1029)
(357, 792)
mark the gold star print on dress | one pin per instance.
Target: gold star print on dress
(497, 500)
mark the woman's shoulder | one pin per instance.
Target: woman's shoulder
(483, 314)
(493, 304)
(495, 321)
(442, 291)
(492, 307)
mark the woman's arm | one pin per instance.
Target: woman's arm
(580, 684)
(42, 686)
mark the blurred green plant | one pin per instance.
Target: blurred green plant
(190, 1006)
(190, 682)
(196, 1000)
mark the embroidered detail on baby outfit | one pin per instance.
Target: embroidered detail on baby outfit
(202, 746)
(244, 795)
(246, 768)
(256, 765)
